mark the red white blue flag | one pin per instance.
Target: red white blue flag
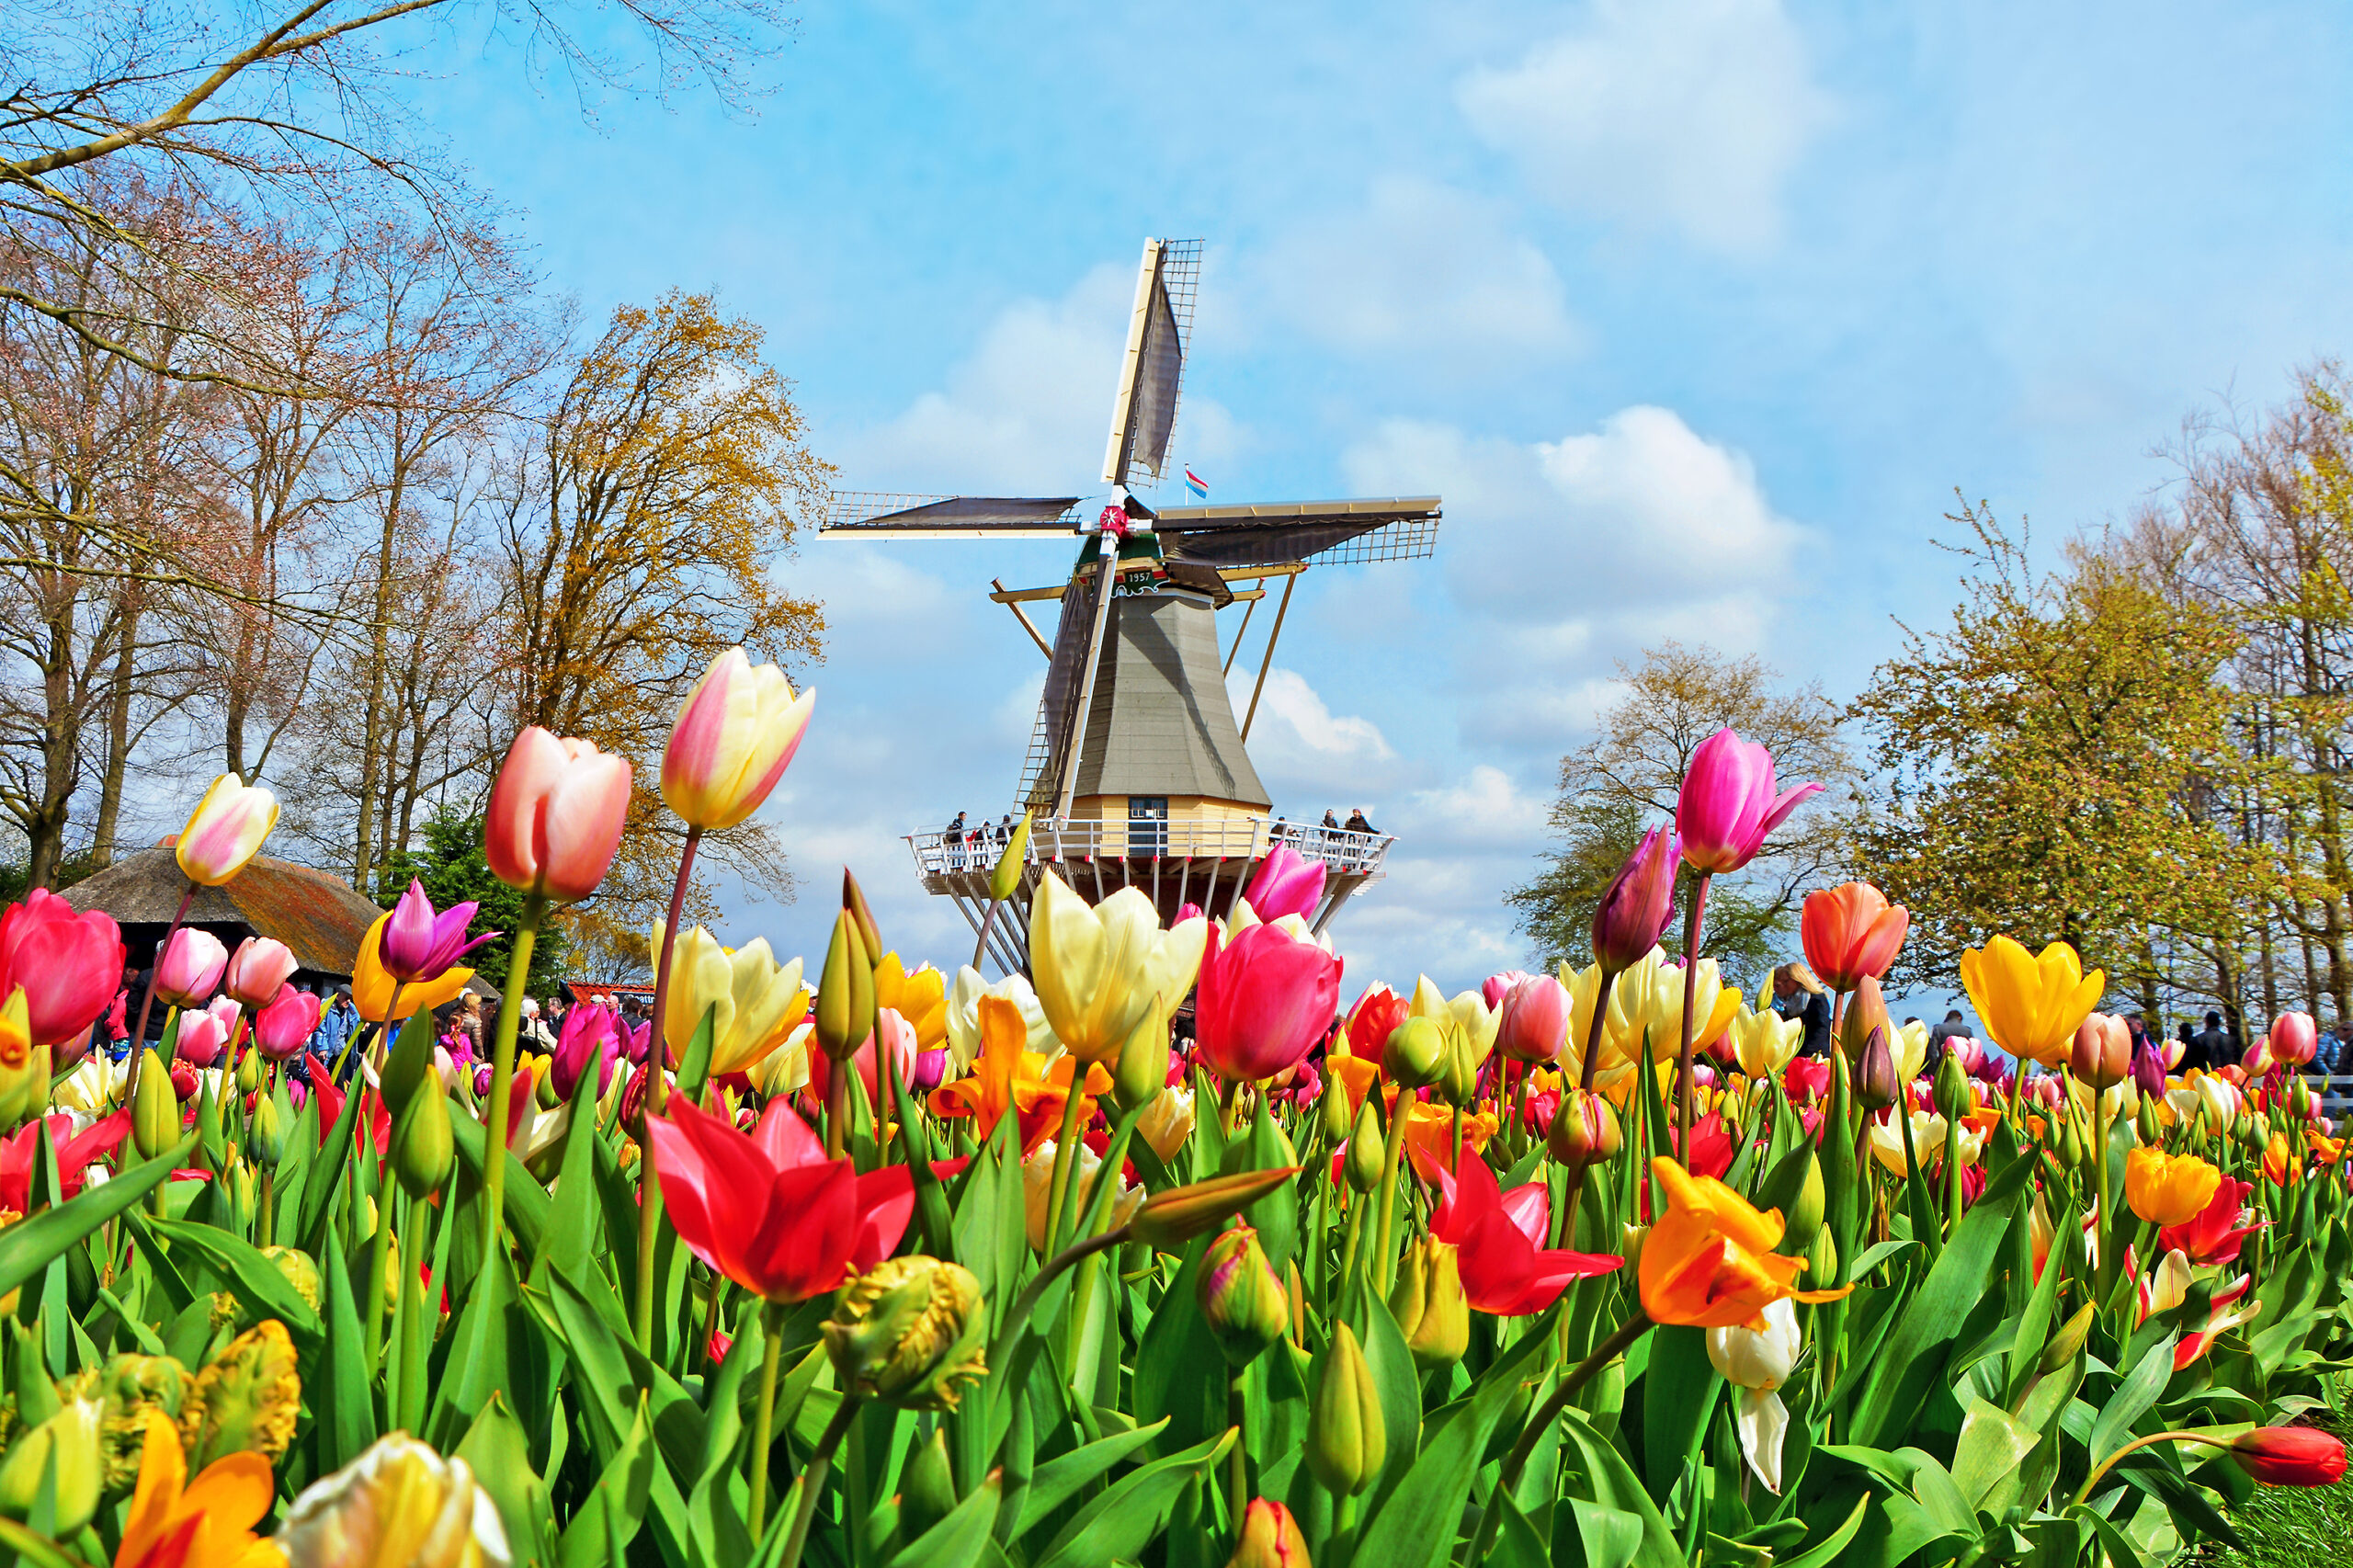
(1194, 483)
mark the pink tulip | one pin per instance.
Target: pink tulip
(1495, 987)
(2294, 1038)
(204, 1032)
(256, 970)
(189, 972)
(1534, 1019)
(1264, 1000)
(555, 816)
(1727, 806)
(1287, 883)
(69, 964)
(736, 734)
(1637, 905)
(285, 1024)
(896, 1035)
(419, 945)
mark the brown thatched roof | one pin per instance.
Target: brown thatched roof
(320, 918)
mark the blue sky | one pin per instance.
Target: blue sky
(1695, 311)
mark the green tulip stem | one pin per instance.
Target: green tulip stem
(1593, 1030)
(2111, 1234)
(812, 1479)
(502, 1072)
(1355, 1238)
(34, 1548)
(1065, 1145)
(2092, 1480)
(657, 1099)
(262, 1217)
(410, 1398)
(1637, 1324)
(378, 1259)
(1392, 1149)
(1691, 922)
(1522, 1136)
(764, 1428)
(1018, 1320)
(1952, 1174)
(1237, 1476)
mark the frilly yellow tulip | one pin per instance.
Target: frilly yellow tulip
(1100, 970)
(398, 1503)
(2030, 1004)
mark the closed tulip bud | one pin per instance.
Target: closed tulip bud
(1362, 1166)
(1006, 876)
(1637, 905)
(2063, 1345)
(845, 1010)
(263, 1139)
(2149, 1072)
(2073, 1147)
(1821, 1262)
(1866, 1011)
(1797, 1190)
(1631, 1239)
(422, 1150)
(1584, 1132)
(1269, 1538)
(1347, 1439)
(68, 1441)
(1171, 1218)
(1951, 1092)
(1458, 1083)
(854, 905)
(1432, 1311)
(2145, 1121)
(155, 1108)
(2102, 1053)
(1332, 1110)
(1415, 1053)
(1142, 1071)
(2299, 1098)
(2290, 1456)
(909, 1333)
(1240, 1298)
(248, 1072)
(1875, 1085)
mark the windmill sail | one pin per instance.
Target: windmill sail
(1143, 414)
(1057, 709)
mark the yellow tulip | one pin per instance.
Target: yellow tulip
(2168, 1189)
(225, 831)
(1646, 996)
(754, 1001)
(1764, 1041)
(920, 998)
(1100, 970)
(2030, 1004)
(373, 984)
(736, 734)
(399, 1503)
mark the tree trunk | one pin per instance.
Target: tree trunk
(121, 686)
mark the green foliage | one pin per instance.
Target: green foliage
(450, 863)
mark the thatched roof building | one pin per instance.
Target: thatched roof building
(321, 918)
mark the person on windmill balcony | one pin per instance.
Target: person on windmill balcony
(952, 841)
(1358, 822)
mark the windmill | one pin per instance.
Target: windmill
(1136, 773)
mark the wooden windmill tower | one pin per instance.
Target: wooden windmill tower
(1136, 773)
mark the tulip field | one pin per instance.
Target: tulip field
(909, 1268)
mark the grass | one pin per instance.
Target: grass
(2289, 1527)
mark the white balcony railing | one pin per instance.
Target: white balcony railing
(1344, 854)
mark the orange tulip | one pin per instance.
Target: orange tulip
(207, 1523)
(1710, 1261)
(1007, 1077)
(1851, 931)
(2279, 1164)
(2168, 1189)
(1357, 1075)
(1429, 1136)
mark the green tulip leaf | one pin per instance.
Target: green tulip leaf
(1119, 1521)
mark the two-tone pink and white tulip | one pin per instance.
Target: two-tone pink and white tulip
(736, 734)
(555, 816)
(1532, 1025)
(256, 970)
(225, 831)
(1727, 807)
(189, 970)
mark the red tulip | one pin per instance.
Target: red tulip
(1637, 905)
(1535, 1021)
(75, 1154)
(1711, 1145)
(555, 816)
(2290, 1456)
(1806, 1078)
(285, 1026)
(189, 970)
(1375, 1017)
(768, 1209)
(1287, 883)
(1499, 1240)
(256, 970)
(2212, 1236)
(1264, 1000)
(1727, 805)
(70, 965)
(1851, 931)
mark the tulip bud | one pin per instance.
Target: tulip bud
(1876, 1086)
(1006, 877)
(909, 1333)
(2102, 1053)
(854, 906)
(1457, 1083)
(1629, 1244)
(1950, 1092)
(297, 1268)
(1584, 1131)
(1866, 1011)
(1170, 1219)
(845, 1011)
(68, 1441)
(1347, 1439)
(1239, 1297)
(2149, 1072)
(2287, 1456)
(2146, 1122)
(2072, 1148)
(1796, 1189)
(2063, 1345)
(263, 1139)
(1429, 1305)
(1332, 1110)
(1414, 1054)
(1142, 1071)
(421, 1152)
(248, 1072)
(1821, 1262)
(1269, 1538)
(927, 1494)
(1365, 1159)
(247, 1400)
(1637, 905)
(155, 1108)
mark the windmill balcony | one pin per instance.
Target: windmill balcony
(1207, 862)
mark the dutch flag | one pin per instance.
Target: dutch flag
(1193, 483)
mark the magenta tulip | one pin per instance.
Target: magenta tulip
(1264, 1000)
(189, 972)
(1287, 883)
(1637, 905)
(256, 970)
(590, 1033)
(285, 1024)
(2294, 1038)
(555, 816)
(419, 945)
(70, 965)
(1728, 807)
(1535, 1021)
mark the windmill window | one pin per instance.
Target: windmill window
(1148, 824)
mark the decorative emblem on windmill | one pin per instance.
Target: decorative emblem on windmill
(1136, 773)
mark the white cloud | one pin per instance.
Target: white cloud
(1484, 809)
(1688, 114)
(1300, 748)
(1574, 553)
(1421, 270)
